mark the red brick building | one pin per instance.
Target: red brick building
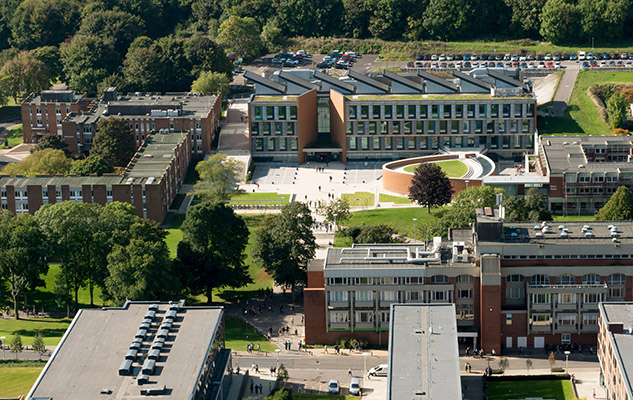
(615, 343)
(43, 113)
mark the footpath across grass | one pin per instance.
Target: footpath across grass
(238, 335)
(546, 389)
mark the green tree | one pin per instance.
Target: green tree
(119, 26)
(22, 254)
(26, 74)
(388, 19)
(430, 187)
(618, 208)
(176, 68)
(87, 61)
(219, 177)
(211, 254)
(203, 54)
(211, 82)
(54, 142)
(551, 359)
(241, 35)
(526, 16)
(280, 394)
(559, 21)
(69, 229)
(273, 35)
(114, 142)
(42, 162)
(38, 344)
(143, 68)
(504, 364)
(603, 20)
(37, 23)
(445, 19)
(617, 107)
(309, 18)
(537, 206)
(335, 211)
(528, 365)
(51, 57)
(91, 165)
(282, 373)
(515, 209)
(477, 197)
(7, 9)
(142, 270)
(285, 244)
(355, 19)
(16, 345)
(378, 234)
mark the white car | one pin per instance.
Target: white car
(523, 58)
(333, 387)
(582, 56)
(442, 57)
(379, 370)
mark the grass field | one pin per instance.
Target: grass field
(582, 116)
(387, 198)
(15, 136)
(305, 396)
(550, 389)
(571, 218)
(365, 199)
(401, 219)
(255, 198)
(17, 381)
(52, 329)
(239, 335)
(452, 168)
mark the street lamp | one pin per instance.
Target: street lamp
(414, 231)
(277, 351)
(2, 339)
(567, 361)
(364, 366)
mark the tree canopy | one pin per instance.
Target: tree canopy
(430, 187)
(533, 207)
(619, 207)
(241, 35)
(114, 142)
(335, 211)
(51, 142)
(91, 165)
(26, 74)
(211, 82)
(42, 162)
(219, 176)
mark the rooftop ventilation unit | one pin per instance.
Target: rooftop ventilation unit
(150, 314)
(174, 306)
(135, 346)
(125, 367)
(153, 390)
(158, 344)
(170, 314)
(141, 333)
(144, 325)
(165, 325)
(561, 227)
(148, 321)
(142, 379)
(153, 307)
(148, 367)
(537, 227)
(131, 354)
(154, 354)
(539, 234)
(163, 333)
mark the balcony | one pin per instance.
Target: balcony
(540, 328)
(364, 326)
(566, 328)
(566, 306)
(339, 326)
(541, 306)
(338, 304)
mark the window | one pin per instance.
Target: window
(592, 298)
(514, 278)
(482, 111)
(494, 110)
(411, 111)
(435, 111)
(506, 110)
(591, 279)
(293, 112)
(566, 279)
(590, 319)
(384, 316)
(565, 338)
(465, 293)
(540, 280)
(375, 113)
(388, 110)
(508, 319)
(270, 112)
(470, 111)
(465, 279)
(567, 298)
(290, 128)
(446, 113)
(364, 295)
(567, 319)
(339, 316)
(459, 110)
(414, 296)
(281, 112)
(514, 292)
(541, 319)
(439, 279)
(259, 144)
(108, 192)
(584, 178)
(399, 111)
(439, 295)
(541, 298)
(338, 296)
(338, 281)
(283, 146)
(389, 295)
(364, 112)
(364, 316)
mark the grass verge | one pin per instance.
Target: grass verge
(359, 199)
(15, 136)
(550, 389)
(306, 396)
(247, 198)
(571, 218)
(239, 335)
(52, 330)
(387, 198)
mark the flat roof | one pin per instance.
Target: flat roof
(567, 154)
(622, 342)
(89, 355)
(153, 158)
(515, 179)
(423, 354)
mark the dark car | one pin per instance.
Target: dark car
(585, 64)
(467, 64)
(606, 56)
(418, 58)
(598, 56)
(565, 57)
(410, 64)
(324, 65)
(539, 57)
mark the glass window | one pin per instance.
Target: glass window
(591, 279)
(592, 298)
(459, 110)
(435, 111)
(540, 280)
(541, 319)
(465, 293)
(423, 110)
(376, 143)
(277, 126)
(447, 111)
(384, 128)
(566, 319)
(254, 128)
(494, 110)
(388, 295)
(411, 143)
(482, 111)
(617, 280)
(479, 124)
(258, 112)
(407, 128)
(566, 279)
(399, 143)
(290, 128)
(283, 146)
(259, 144)
(293, 112)
(471, 111)
(266, 130)
(388, 143)
(443, 125)
(351, 143)
(518, 110)
(541, 298)
(281, 112)
(364, 295)
(506, 110)
(339, 316)
(590, 319)
(364, 316)
(364, 143)
(293, 143)
(454, 127)
(514, 278)
(530, 110)
(352, 112)
(270, 114)
(338, 296)
(411, 111)
(515, 292)
(388, 110)
(400, 111)
(375, 112)
(372, 128)
(364, 111)
(567, 298)
(465, 279)
(271, 144)
(439, 279)
(419, 126)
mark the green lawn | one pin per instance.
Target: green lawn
(52, 329)
(401, 219)
(17, 381)
(239, 335)
(571, 218)
(452, 168)
(387, 198)
(258, 197)
(305, 396)
(15, 136)
(582, 116)
(550, 389)
(359, 199)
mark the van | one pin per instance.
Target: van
(354, 386)
(582, 56)
(379, 370)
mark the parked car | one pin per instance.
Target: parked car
(499, 64)
(539, 57)
(324, 65)
(589, 56)
(450, 57)
(506, 57)
(410, 64)
(522, 58)
(467, 64)
(515, 57)
(582, 56)
(419, 64)
(434, 57)
(585, 64)
(530, 57)
(573, 57)
(523, 65)
(333, 387)
(276, 60)
(474, 57)
(418, 58)
(548, 57)
(292, 62)
(442, 57)
(379, 370)
(498, 57)
(354, 386)
(624, 56)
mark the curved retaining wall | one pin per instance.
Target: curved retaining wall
(399, 181)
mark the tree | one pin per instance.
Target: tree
(559, 21)
(114, 142)
(43, 162)
(528, 365)
(211, 82)
(38, 344)
(203, 54)
(430, 187)
(37, 23)
(282, 373)
(22, 254)
(88, 60)
(51, 142)
(504, 364)
(51, 57)
(91, 165)
(143, 68)
(120, 26)
(141, 270)
(537, 205)
(285, 244)
(526, 16)
(477, 197)
(515, 209)
(273, 35)
(617, 106)
(388, 20)
(211, 254)
(335, 211)
(26, 74)
(219, 176)
(309, 18)
(445, 19)
(377, 234)
(603, 20)
(240, 35)
(619, 207)
(280, 394)
(16, 345)
(551, 359)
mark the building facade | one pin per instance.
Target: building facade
(615, 343)
(513, 285)
(390, 116)
(43, 113)
(150, 182)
